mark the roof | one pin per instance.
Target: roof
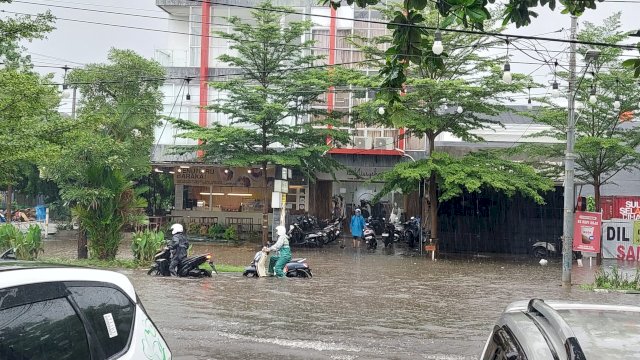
(16, 273)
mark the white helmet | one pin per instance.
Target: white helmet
(176, 228)
(281, 230)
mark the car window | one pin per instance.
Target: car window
(503, 346)
(109, 312)
(43, 330)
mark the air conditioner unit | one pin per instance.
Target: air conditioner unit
(361, 142)
(384, 143)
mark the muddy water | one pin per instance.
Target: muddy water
(358, 305)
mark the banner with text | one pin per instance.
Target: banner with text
(621, 240)
(586, 231)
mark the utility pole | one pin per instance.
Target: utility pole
(569, 164)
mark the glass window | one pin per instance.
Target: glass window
(42, 330)
(109, 312)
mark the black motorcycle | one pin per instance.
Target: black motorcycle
(412, 232)
(389, 234)
(377, 225)
(294, 268)
(188, 268)
(300, 238)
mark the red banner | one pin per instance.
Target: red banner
(587, 230)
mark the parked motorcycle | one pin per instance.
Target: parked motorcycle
(188, 268)
(377, 225)
(294, 268)
(370, 237)
(298, 237)
(389, 234)
(412, 232)
(544, 249)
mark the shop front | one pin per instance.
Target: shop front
(207, 195)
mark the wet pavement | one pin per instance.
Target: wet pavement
(358, 305)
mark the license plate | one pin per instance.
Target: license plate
(385, 235)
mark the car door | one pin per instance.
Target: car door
(502, 346)
(121, 326)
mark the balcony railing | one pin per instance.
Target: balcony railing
(172, 58)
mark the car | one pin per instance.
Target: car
(538, 329)
(56, 312)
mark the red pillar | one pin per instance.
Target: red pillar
(332, 60)
(204, 64)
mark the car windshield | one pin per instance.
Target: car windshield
(606, 334)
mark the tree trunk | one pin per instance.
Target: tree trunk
(265, 207)
(83, 251)
(433, 194)
(596, 198)
(9, 198)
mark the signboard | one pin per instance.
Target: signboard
(621, 240)
(621, 207)
(281, 186)
(195, 176)
(587, 231)
(278, 200)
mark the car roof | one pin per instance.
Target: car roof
(595, 330)
(16, 273)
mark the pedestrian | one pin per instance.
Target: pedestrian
(357, 227)
(178, 247)
(278, 261)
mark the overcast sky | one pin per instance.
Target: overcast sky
(75, 43)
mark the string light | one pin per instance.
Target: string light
(616, 103)
(437, 47)
(188, 96)
(529, 104)
(593, 99)
(506, 75)
(555, 86)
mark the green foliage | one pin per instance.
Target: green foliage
(26, 246)
(96, 165)
(16, 30)
(470, 173)
(616, 279)
(95, 263)
(216, 231)
(604, 145)
(591, 203)
(145, 244)
(230, 234)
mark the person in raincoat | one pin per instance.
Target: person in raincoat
(178, 245)
(357, 227)
(278, 261)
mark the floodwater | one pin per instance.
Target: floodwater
(358, 305)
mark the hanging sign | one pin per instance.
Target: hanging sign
(587, 231)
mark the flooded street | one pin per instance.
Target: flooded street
(358, 305)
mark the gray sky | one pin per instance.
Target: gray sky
(75, 43)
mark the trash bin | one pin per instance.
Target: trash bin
(41, 213)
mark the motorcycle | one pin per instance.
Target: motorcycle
(389, 234)
(188, 268)
(544, 249)
(412, 232)
(370, 237)
(10, 254)
(377, 225)
(297, 237)
(294, 268)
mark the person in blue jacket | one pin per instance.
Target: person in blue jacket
(357, 228)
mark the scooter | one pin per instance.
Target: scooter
(297, 237)
(412, 232)
(294, 268)
(370, 237)
(389, 234)
(188, 268)
(8, 255)
(544, 249)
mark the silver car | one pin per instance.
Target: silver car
(537, 330)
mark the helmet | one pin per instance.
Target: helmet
(176, 228)
(281, 230)
(358, 211)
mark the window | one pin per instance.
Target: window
(109, 313)
(43, 330)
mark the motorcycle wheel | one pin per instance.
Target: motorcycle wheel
(539, 252)
(153, 270)
(304, 273)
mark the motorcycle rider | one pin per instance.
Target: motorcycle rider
(278, 261)
(357, 227)
(178, 245)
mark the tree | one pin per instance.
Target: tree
(408, 25)
(108, 146)
(277, 87)
(25, 97)
(472, 85)
(605, 143)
